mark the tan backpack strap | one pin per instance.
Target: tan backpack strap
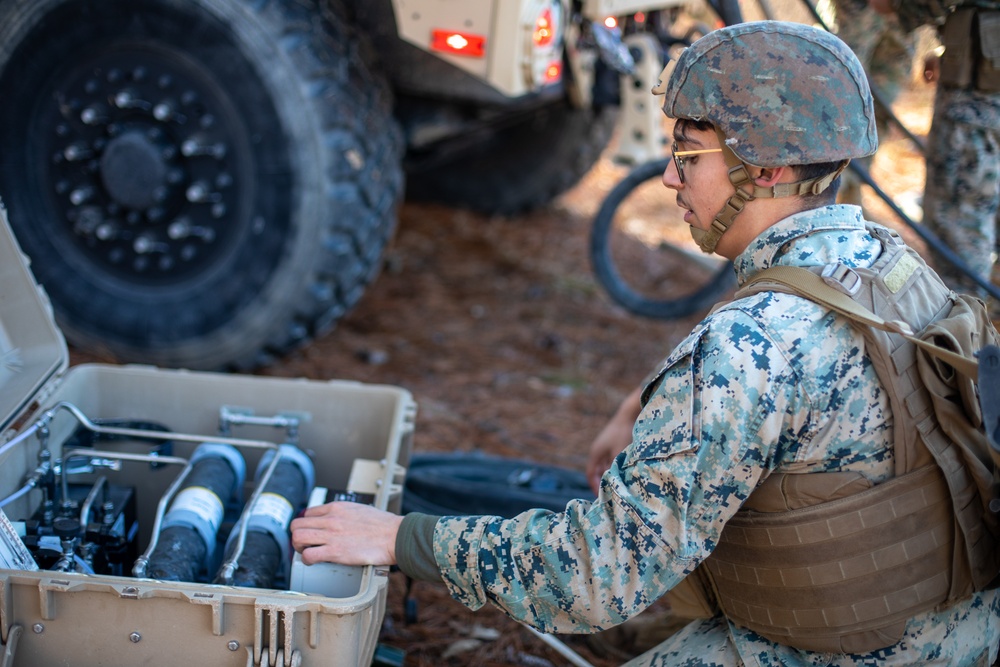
(807, 284)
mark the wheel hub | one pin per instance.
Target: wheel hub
(133, 171)
(143, 164)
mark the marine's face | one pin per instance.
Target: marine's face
(705, 187)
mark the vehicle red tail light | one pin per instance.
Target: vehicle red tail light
(458, 43)
(545, 28)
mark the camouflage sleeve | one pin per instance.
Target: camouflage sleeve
(699, 447)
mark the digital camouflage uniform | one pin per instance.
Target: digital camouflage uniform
(772, 382)
(962, 190)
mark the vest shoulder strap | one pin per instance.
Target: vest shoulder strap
(809, 285)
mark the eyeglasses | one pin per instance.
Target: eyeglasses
(680, 155)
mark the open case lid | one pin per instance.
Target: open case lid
(32, 349)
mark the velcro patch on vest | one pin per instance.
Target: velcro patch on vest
(900, 273)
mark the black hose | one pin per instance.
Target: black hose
(603, 263)
(471, 484)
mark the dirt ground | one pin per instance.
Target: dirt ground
(510, 347)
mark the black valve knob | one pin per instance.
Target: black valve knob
(66, 528)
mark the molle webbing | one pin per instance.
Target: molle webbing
(936, 413)
(971, 58)
(844, 576)
(831, 569)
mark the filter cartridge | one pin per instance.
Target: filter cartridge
(187, 539)
(266, 554)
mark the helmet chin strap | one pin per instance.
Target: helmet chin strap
(739, 176)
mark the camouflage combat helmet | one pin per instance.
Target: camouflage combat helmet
(778, 94)
(782, 93)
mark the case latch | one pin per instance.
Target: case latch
(10, 648)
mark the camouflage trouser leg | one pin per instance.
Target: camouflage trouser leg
(886, 51)
(701, 643)
(882, 46)
(962, 191)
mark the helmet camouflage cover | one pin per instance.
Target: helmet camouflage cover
(782, 93)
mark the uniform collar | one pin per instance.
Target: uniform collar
(819, 236)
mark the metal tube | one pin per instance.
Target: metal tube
(139, 567)
(89, 502)
(159, 435)
(229, 567)
(17, 494)
(122, 456)
(10, 444)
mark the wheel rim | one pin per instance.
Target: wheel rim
(140, 165)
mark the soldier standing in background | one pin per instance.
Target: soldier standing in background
(886, 51)
(962, 189)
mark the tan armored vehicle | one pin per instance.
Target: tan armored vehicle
(209, 183)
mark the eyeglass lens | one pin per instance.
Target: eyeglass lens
(678, 161)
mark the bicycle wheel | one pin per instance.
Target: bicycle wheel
(643, 255)
(731, 11)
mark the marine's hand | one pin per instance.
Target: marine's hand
(347, 533)
(613, 438)
(609, 443)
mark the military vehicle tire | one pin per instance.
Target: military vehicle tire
(516, 166)
(204, 184)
